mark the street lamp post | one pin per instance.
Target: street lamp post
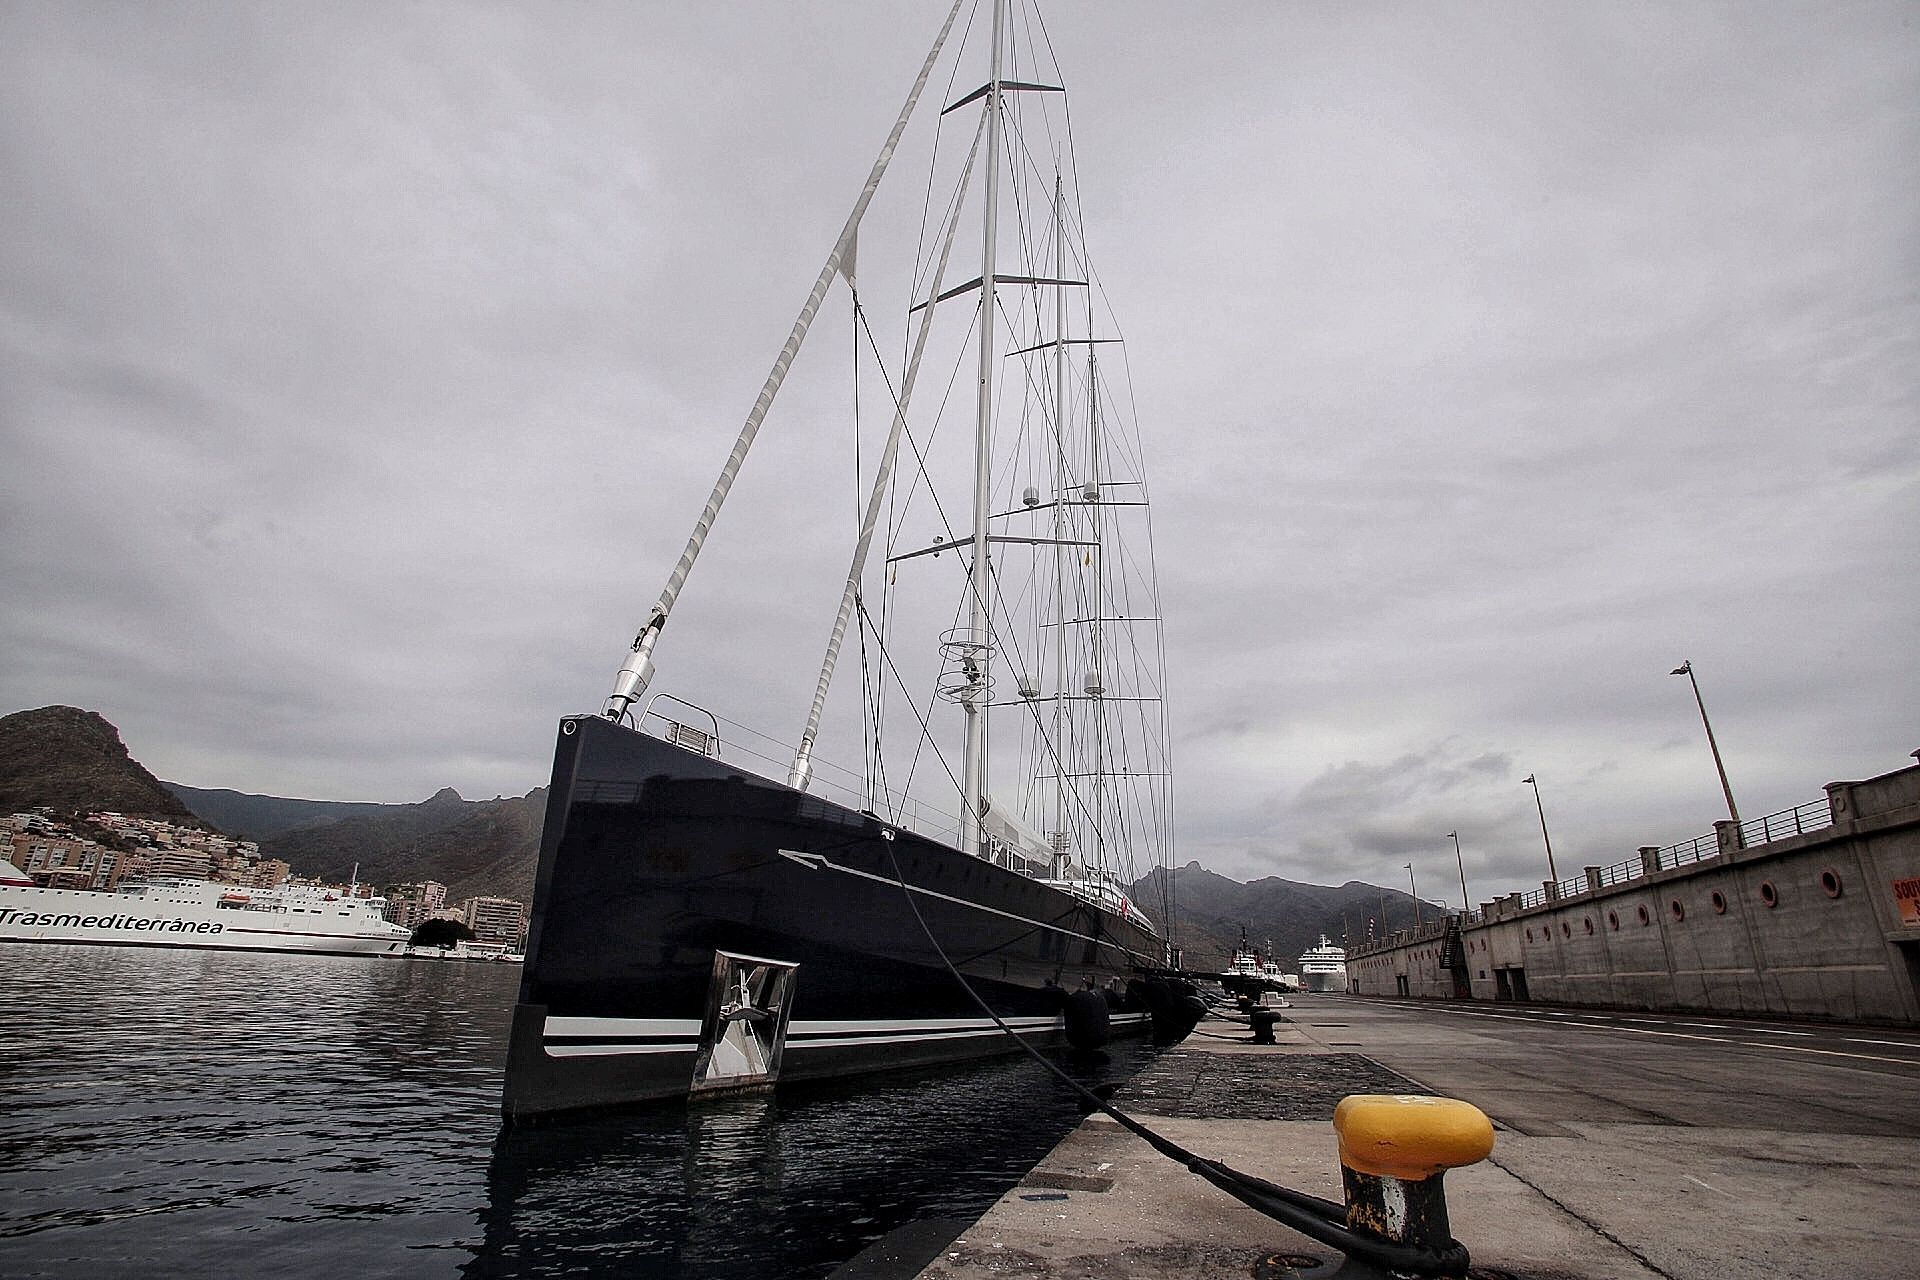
(1465, 903)
(1686, 669)
(1413, 891)
(1545, 838)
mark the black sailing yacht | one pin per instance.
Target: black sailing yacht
(699, 926)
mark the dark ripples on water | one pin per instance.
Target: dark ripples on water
(205, 1113)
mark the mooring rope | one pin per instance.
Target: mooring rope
(1316, 1218)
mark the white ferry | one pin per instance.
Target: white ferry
(168, 912)
(1323, 967)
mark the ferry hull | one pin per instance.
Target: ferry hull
(84, 918)
(659, 867)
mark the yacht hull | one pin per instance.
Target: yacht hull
(660, 867)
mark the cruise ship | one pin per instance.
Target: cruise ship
(205, 914)
(1323, 967)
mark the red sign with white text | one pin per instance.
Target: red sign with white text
(1907, 894)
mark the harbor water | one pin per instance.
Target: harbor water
(232, 1114)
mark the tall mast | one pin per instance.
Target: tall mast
(1096, 675)
(1059, 520)
(979, 637)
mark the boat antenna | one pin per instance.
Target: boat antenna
(637, 670)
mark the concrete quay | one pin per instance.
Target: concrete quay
(1647, 1146)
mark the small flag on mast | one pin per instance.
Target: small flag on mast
(1684, 669)
(850, 260)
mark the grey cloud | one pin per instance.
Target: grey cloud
(361, 374)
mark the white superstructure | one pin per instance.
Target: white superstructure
(1323, 967)
(199, 913)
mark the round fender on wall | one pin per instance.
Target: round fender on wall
(1087, 1022)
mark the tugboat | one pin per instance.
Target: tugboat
(1251, 974)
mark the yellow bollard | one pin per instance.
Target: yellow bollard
(1394, 1151)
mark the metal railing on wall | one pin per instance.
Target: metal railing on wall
(1815, 815)
(1811, 816)
(1698, 849)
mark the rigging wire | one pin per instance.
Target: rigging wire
(1141, 807)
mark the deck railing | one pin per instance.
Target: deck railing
(770, 757)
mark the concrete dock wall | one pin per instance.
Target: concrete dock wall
(1824, 923)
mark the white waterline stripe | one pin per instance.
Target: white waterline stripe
(797, 1027)
(559, 1025)
(845, 1041)
(610, 1050)
(568, 1025)
(800, 1046)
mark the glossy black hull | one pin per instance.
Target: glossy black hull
(655, 859)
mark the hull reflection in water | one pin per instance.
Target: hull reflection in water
(789, 1184)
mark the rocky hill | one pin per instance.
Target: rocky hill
(1287, 914)
(474, 847)
(263, 817)
(74, 762)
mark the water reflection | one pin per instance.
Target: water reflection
(225, 1114)
(787, 1185)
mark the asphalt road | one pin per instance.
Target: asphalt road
(1704, 1146)
(1534, 1069)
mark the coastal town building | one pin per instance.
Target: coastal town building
(66, 855)
(411, 904)
(59, 862)
(497, 920)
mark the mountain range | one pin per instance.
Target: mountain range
(75, 762)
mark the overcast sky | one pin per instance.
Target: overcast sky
(362, 369)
